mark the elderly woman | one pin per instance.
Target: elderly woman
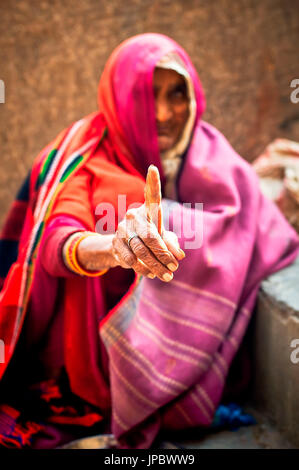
(120, 311)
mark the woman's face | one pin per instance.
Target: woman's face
(172, 106)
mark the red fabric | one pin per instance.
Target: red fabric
(96, 183)
(14, 434)
(87, 420)
(84, 355)
(51, 254)
(11, 316)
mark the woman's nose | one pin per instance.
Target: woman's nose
(163, 111)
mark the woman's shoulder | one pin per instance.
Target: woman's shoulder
(223, 146)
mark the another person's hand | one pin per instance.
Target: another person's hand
(141, 243)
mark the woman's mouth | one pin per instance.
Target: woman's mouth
(165, 141)
(164, 131)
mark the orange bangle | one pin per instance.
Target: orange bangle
(69, 246)
(71, 256)
(67, 256)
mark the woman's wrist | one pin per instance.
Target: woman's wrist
(88, 253)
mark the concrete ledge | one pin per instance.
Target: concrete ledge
(276, 377)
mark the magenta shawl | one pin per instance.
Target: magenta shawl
(170, 345)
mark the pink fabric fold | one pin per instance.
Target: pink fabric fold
(170, 346)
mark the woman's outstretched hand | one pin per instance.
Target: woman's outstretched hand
(141, 243)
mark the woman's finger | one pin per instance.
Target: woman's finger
(127, 259)
(148, 233)
(153, 197)
(155, 253)
(143, 254)
(172, 243)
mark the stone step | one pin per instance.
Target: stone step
(276, 371)
(263, 435)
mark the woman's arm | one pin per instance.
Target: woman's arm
(139, 243)
(94, 253)
(150, 253)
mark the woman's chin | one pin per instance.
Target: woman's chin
(165, 143)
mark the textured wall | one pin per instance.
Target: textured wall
(52, 54)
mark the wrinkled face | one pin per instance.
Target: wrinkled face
(172, 106)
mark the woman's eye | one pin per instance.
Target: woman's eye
(178, 93)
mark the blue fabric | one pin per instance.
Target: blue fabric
(8, 255)
(23, 193)
(231, 417)
(14, 222)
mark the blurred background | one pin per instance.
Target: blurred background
(52, 54)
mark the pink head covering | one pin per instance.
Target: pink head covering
(126, 94)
